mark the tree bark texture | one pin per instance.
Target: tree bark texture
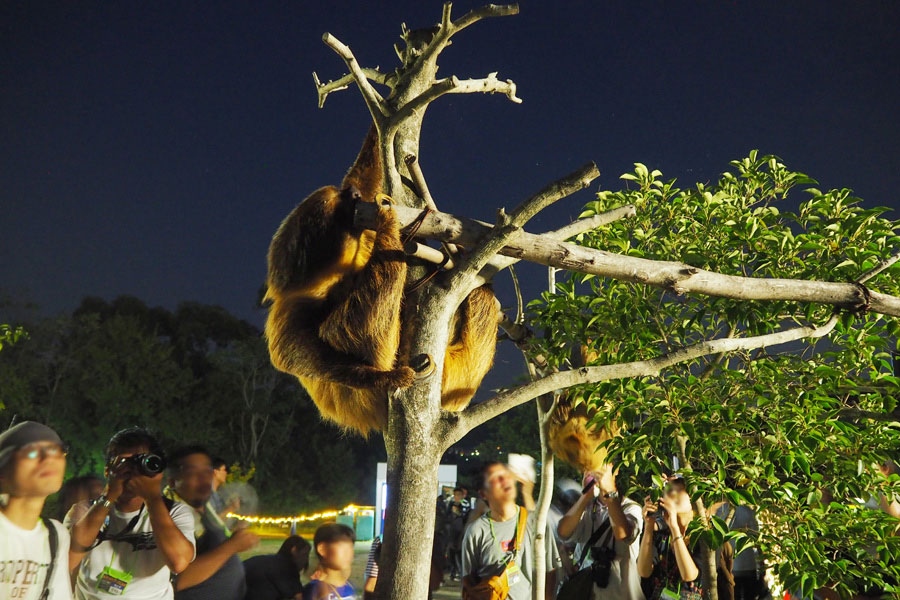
(677, 277)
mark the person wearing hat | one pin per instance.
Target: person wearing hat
(33, 551)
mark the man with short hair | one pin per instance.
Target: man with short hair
(34, 551)
(494, 539)
(130, 540)
(217, 573)
(216, 502)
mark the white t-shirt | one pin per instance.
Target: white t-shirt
(624, 581)
(134, 551)
(25, 559)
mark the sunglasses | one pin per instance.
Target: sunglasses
(34, 450)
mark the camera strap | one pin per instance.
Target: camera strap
(593, 540)
(102, 536)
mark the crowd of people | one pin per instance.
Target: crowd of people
(151, 528)
(154, 528)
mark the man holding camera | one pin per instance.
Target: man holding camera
(130, 540)
(606, 528)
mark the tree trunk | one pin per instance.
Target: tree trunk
(545, 408)
(409, 527)
(415, 443)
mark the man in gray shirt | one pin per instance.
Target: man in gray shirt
(489, 542)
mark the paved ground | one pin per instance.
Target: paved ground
(450, 589)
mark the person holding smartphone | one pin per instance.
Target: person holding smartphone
(666, 560)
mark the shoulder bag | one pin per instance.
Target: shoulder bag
(580, 586)
(496, 586)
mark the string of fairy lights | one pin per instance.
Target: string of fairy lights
(327, 514)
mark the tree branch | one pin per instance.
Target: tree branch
(584, 225)
(509, 225)
(485, 12)
(454, 85)
(373, 99)
(428, 254)
(461, 422)
(418, 177)
(336, 85)
(450, 28)
(679, 278)
(880, 268)
(498, 263)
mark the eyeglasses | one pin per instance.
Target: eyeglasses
(34, 451)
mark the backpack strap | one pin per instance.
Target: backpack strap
(53, 536)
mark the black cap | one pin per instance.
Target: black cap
(26, 432)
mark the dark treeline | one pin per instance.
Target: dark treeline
(195, 375)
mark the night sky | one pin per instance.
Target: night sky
(152, 148)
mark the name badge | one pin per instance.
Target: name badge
(113, 582)
(668, 594)
(513, 574)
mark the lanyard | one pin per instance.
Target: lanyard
(118, 537)
(515, 539)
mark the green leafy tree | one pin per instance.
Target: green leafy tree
(8, 336)
(257, 403)
(797, 435)
(89, 377)
(756, 254)
(193, 375)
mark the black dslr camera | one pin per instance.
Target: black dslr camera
(146, 464)
(602, 563)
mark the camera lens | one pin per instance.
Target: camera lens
(149, 464)
(153, 463)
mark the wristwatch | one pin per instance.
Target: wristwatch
(103, 501)
(611, 495)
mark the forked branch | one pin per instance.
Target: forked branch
(342, 83)
(453, 85)
(509, 225)
(448, 28)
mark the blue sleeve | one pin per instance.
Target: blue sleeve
(309, 590)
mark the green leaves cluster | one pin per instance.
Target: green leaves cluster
(795, 432)
(10, 335)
